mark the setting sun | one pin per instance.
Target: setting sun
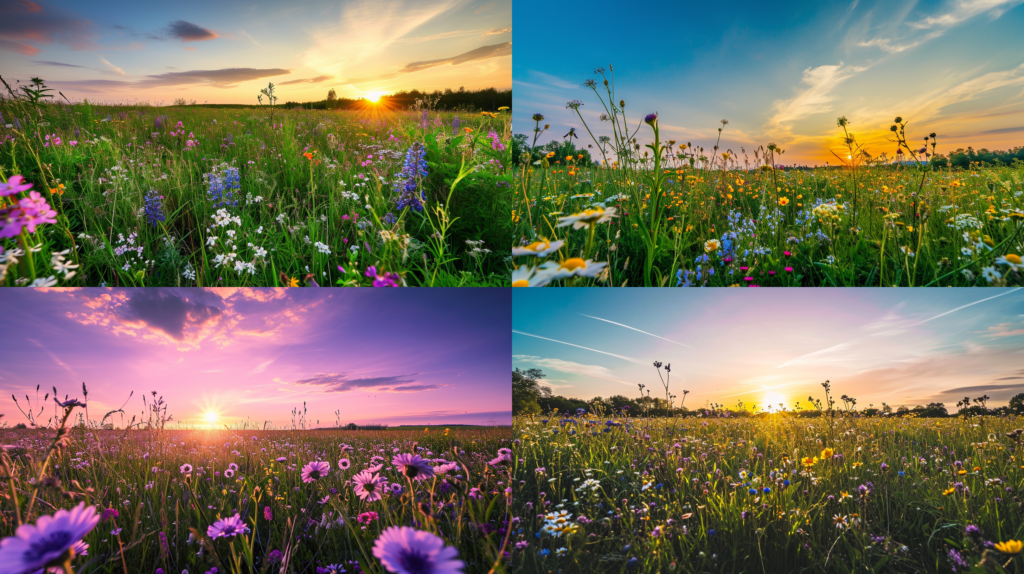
(373, 96)
(773, 402)
(211, 417)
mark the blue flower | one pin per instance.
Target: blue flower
(154, 208)
(413, 171)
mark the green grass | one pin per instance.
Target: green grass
(287, 203)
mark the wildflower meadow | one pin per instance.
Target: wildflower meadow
(138, 195)
(828, 488)
(632, 209)
(83, 496)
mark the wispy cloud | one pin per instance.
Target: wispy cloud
(638, 331)
(624, 358)
(481, 53)
(189, 32)
(341, 383)
(572, 367)
(817, 97)
(315, 80)
(112, 67)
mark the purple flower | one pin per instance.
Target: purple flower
(154, 208)
(388, 279)
(368, 486)
(315, 470)
(343, 464)
(69, 404)
(108, 514)
(274, 556)
(230, 526)
(413, 171)
(331, 569)
(49, 540)
(413, 466)
(652, 119)
(405, 550)
(14, 186)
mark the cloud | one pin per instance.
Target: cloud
(48, 63)
(481, 53)
(1004, 130)
(560, 365)
(903, 36)
(496, 31)
(189, 32)
(223, 78)
(168, 312)
(315, 80)
(817, 97)
(341, 383)
(23, 21)
(113, 68)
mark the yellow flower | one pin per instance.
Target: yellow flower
(711, 245)
(809, 461)
(783, 201)
(1010, 547)
(948, 491)
(294, 282)
(827, 453)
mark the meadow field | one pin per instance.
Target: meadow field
(244, 500)
(245, 196)
(776, 493)
(678, 215)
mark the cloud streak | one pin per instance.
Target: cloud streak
(624, 358)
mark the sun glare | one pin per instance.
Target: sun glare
(772, 402)
(373, 96)
(211, 417)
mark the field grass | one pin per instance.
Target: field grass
(142, 475)
(676, 214)
(772, 494)
(147, 196)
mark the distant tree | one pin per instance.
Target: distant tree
(902, 410)
(526, 391)
(934, 410)
(332, 99)
(1017, 403)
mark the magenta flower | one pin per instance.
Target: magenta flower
(315, 470)
(413, 466)
(501, 459)
(388, 279)
(368, 486)
(12, 220)
(367, 517)
(230, 526)
(267, 513)
(343, 464)
(14, 186)
(405, 550)
(49, 541)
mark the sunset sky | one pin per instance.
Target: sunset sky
(421, 356)
(780, 73)
(225, 52)
(899, 346)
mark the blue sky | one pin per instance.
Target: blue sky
(761, 346)
(424, 356)
(780, 73)
(224, 52)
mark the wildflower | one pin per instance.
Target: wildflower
(530, 277)
(783, 201)
(274, 556)
(413, 466)
(49, 541)
(989, 273)
(573, 267)
(809, 461)
(230, 526)
(651, 119)
(186, 468)
(405, 550)
(711, 245)
(414, 170)
(267, 513)
(343, 464)
(388, 279)
(315, 470)
(1010, 546)
(368, 486)
(587, 217)
(154, 208)
(1014, 261)
(538, 248)
(367, 517)
(827, 453)
(14, 186)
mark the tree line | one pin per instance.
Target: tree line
(487, 99)
(531, 397)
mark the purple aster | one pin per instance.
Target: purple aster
(343, 464)
(14, 186)
(405, 550)
(500, 460)
(315, 470)
(230, 526)
(49, 541)
(281, 459)
(186, 468)
(413, 466)
(368, 485)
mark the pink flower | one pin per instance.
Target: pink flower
(386, 280)
(368, 486)
(315, 470)
(230, 526)
(367, 517)
(13, 186)
(405, 550)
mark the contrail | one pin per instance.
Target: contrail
(630, 359)
(967, 305)
(637, 330)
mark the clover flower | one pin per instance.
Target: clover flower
(405, 550)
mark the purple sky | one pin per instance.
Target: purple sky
(414, 356)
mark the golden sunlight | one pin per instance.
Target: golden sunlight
(373, 96)
(211, 417)
(773, 402)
